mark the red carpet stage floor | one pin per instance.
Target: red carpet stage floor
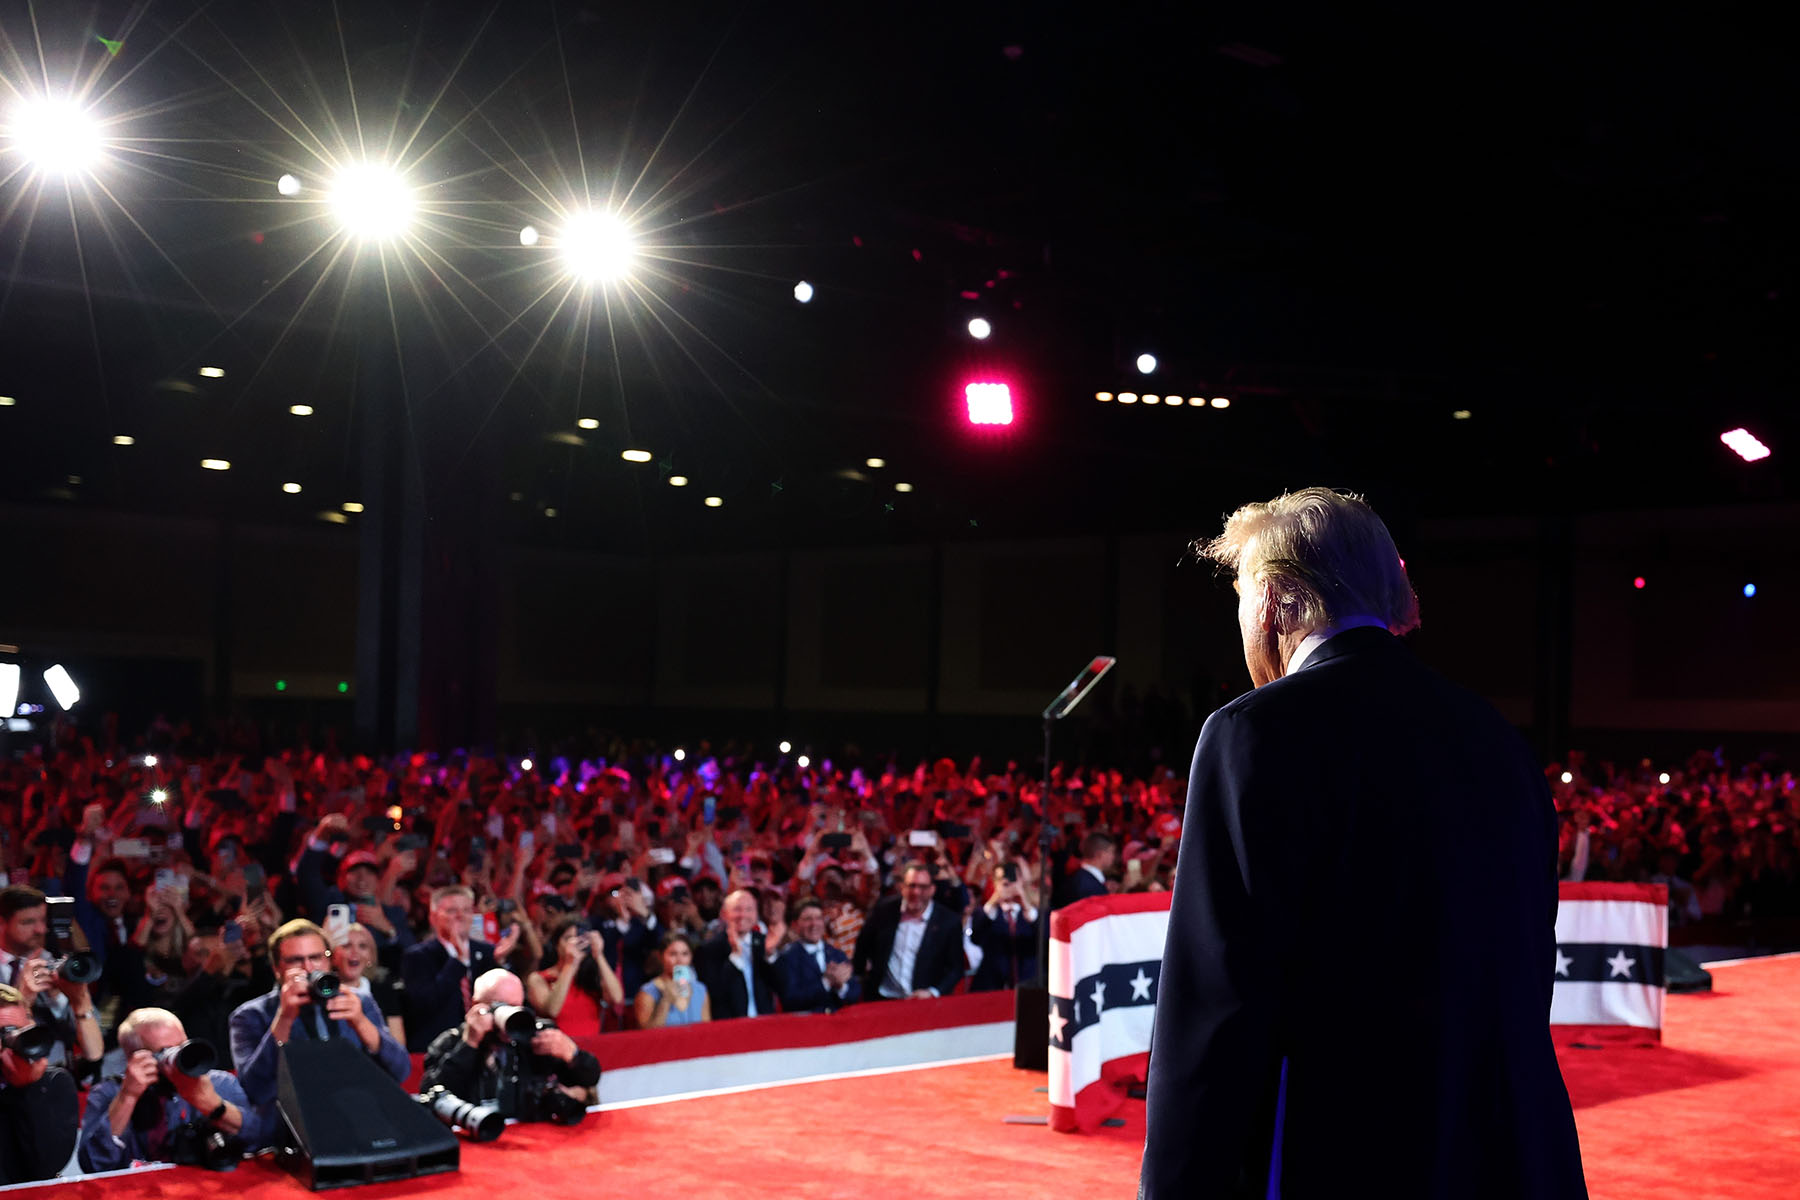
(1713, 1112)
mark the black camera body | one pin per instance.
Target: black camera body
(29, 1042)
(324, 985)
(522, 1093)
(192, 1058)
(76, 966)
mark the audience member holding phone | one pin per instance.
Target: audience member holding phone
(675, 996)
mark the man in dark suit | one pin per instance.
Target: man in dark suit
(1098, 854)
(1006, 930)
(440, 972)
(812, 975)
(260, 1027)
(734, 964)
(1355, 808)
(910, 947)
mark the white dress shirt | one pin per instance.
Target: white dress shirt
(899, 981)
(1319, 637)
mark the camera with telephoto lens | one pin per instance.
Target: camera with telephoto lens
(29, 1042)
(324, 985)
(192, 1058)
(480, 1122)
(522, 1093)
(197, 1144)
(74, 966)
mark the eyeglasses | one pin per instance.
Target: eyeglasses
(297, 960)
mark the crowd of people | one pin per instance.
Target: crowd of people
(631, 890)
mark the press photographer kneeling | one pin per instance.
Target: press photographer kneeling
(172, 1105)
(506, 1056)
(38, 1115)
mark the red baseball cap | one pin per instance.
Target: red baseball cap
(360, 858)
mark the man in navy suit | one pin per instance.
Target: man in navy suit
(260, 1027)
(910, 947)
(1098, 854)
(440, 972)
(1006, 930)
(735, 966)
(812, 975)
(1355, 808)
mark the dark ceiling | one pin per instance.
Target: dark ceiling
(1581, 231)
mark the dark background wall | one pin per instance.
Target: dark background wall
(952, 647)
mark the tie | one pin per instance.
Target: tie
(12, 972)
(468, 994)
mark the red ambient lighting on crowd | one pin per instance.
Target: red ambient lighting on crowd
(1744, 444)
(989, 403)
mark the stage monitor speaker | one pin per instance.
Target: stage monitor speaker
(1682, 974)
(347, 1121)
(1031, 1028)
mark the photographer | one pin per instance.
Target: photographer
(306, 1002)
(38, 1115)
(543, 1077)
(158, 1112)
(51, 998)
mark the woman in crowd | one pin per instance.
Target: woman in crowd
(574, 989)
(674, 997)
(359, 970)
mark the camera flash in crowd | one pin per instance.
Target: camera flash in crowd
(149, 760)
(1567, 777)
(785, 747)
(158, 796)
(524, 764)
(680, 754)
(1663, 778)
(804, 762)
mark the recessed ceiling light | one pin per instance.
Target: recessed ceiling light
(301, 410)
(1127, 397)
(124, 439)
(875, 464)
(215, 464)
(334, 518)
(903, 487)
(1151, 398)
(714, 501)
(1196, 401)
(7, 402)
(1103, 395)
(212, 372)
(637, 456)
(75, 479)
(1461, 414)
(678, 481)
(549, 512)
(588, 423)
(292, 489)
(353, 506)
(1221, 401)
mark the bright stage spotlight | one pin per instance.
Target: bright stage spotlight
(9, 688)
(980, 329)
(1146, 363)
(803, 292)
(62, 687)
(57, 137)
(371, 202)
(1745, 444)
(989, 403)
(636, 456)
(597, 247)
(288, 185)
(528, 236)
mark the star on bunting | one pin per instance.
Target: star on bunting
(1140, 985)
(1621, 965)
(1099, 997)
(1057, 1021)
(1562, 963)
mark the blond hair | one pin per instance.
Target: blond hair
(1323, 555)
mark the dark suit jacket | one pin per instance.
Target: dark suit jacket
(802, 987)
(1078, 884)
(1008, 957)
(256, 1058)
(433, 978)
(940, 962)
(725, 983)
(1361, 813)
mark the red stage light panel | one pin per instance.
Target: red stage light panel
(989, 403)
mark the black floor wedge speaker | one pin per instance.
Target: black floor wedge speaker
(345, 1121)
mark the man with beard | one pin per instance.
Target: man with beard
(51, 999)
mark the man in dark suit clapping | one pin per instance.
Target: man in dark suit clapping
(1006, 930)
(735, 964)
(910, 948)
(440, 972)
(1355, 807)
(812, 975)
